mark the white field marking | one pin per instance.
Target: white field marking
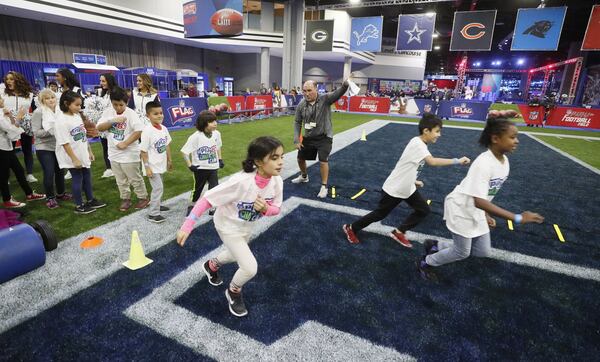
(70, 269)
(559, 135)
(570, 157)
(159, 312)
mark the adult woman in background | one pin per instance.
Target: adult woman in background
(142, 94)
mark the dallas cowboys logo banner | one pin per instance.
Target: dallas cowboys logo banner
(415, 32)
(366, 34)
(473, 30)
(538, 29)
(591, 40)
(319, 35)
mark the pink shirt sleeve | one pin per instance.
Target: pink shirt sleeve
(200, 208)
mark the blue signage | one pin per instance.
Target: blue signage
(426, 105)
(475, 110)
(101, 59)
(84, 58)
(366, 34)
(182, 112)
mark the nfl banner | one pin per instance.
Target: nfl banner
(365, 35)
(591, 40)
(538, 29)
(182, 112)
(319, 35)
(212, 18)
(415, 32)
(475, 110)
(473, 30)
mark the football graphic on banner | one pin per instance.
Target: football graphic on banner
(227, 22)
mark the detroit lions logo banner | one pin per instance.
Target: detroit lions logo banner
(538, 29)
(473, 30)
(319, 35)
(591, 40)
(415, 32)
(366, 34)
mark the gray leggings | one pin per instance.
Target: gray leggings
(460, 249)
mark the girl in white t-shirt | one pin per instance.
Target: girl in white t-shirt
(74, 152)
(244, 198)
(468, 209)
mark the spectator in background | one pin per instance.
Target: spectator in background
(191, 90)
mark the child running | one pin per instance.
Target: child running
(156, 156)
(468, 207)
(401, 184)
(241, 200)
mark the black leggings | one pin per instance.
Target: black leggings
(104, 142)
(9, 161)
(387, 204)
(200, 178)
(27, 149)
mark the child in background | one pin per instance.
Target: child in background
(204, 146)
(74, 152)
(156, 157)
(241, 200)
(468, 209)
(401, 184)
(124, 130)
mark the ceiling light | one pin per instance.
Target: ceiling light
(437, 47)
(435, 35)
(431, 13)
(354, 2)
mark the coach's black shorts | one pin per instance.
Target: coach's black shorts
(320, 145)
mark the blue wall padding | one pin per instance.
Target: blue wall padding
(21, 250)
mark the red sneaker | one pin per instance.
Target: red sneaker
(35, 196)
(12, 204)
(352, 238)
(401, 238)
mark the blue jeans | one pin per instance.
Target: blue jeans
(53, 175)
(82, 178)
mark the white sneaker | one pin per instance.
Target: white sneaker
(300, 179)
(323, 192)
(108, 173)
(68, 176)
(31, 178)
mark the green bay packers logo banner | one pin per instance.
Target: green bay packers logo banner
(473, 30)
(319, 35)
(538, 29)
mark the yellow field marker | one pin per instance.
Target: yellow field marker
(428, 202)
(559, 234)
(510, 225)
(358, 194)
(333, 192)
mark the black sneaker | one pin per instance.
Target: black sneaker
(212, 210)
(425, 270)
(213, 277)
(156, 219)
(431, 246)
(164, 208)
(95, 204)
(236, 303)
(84, 209)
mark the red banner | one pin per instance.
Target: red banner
(532, 115)
(591, 40)
(574, 117)
(369, 104)
(260, 102)
(342, 104)
(236, 103)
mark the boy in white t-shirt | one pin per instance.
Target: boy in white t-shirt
(156, 156)
(124, 130)
(204, 147)
(401, 184)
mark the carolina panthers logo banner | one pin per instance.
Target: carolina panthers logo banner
(366, 34)
(473, 30)
(319, 35)
(538, 29)
(415, 32)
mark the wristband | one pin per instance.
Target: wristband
(192, 217)
(455, 161)
(518, 218)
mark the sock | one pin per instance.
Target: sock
(213, 265)
(234, 289)
(304, 175)
(324, 185)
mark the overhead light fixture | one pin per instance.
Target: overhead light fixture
(354, 2)
(437, 47)
(521, 61)
(431, 13)
(435, 35)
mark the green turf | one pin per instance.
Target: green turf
(504, 106)
(586, 151)
(235, 138)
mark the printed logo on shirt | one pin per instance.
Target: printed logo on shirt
(161, 145)
(78, 133)
(118, 131)
(206, 153)
(496, 185)
(246, 211)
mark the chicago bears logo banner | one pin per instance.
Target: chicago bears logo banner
(591, 40)
(365, 35)
(415, 32)
(473, 30)
(212, 18)
(538, 29)
(319, 36)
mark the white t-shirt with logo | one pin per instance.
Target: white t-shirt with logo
(401, 182)
(155, 143)
(484, 179)
(235, 198)
(204, 150)
(119, 132)
(69, 128)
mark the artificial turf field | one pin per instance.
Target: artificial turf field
(316, 297)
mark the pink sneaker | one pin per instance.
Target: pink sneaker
(34, 197)
(401, 238)
(52, 204)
